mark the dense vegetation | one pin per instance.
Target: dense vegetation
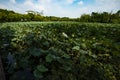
(60, 51)
(104, 17)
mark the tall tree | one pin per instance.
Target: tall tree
(85, 18)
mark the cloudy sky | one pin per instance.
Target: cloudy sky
(67, 8)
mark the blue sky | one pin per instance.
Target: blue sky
(61, 8)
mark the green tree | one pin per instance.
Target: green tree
(85, 18)
(105, 16)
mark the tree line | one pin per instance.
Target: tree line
(104, 17)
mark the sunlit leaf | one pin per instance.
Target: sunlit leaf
(76, 48)
(42, 68)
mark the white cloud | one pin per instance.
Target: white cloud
(13, 1)
(3, 6)
(107, 5)
(80, 2)
(70, 1)
(29, 5)
(62, 7)
(108, 2)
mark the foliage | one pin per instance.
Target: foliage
(104, 17)
(60, 51)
